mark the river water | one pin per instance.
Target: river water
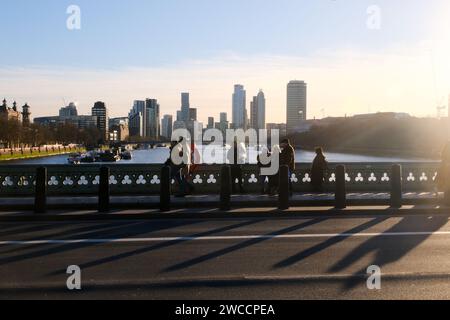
(159, 155)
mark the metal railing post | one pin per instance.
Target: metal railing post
(225, 188)
(396, 186)
(104, 190)
(283, 194)
(165, 189)
(340, 196)
(40, 196)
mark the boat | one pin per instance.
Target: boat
(108, 156)
(126, 155)
(74, 158)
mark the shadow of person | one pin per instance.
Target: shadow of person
(390, 246)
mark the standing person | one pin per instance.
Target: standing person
(287, 158)
(263, 178)
(444, 170)
(236, 156)
(274, 180)
(196, 160)
(319, 166)
(179, 172)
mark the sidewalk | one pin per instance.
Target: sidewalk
(212, 201)
(267, 212)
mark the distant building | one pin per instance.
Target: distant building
(26, 115)
(136, 119)
(152, 119)
(192, 114)
(119, 129)
(210, 123)
(167, 126)
(258, 112)
(185, 106)
(179, 116)
(101, 112)
(48, 121)
(179, 125)
(8, 113)
(118, 121)
(69, 111)
(223, 117)
(81, 122)
(239, 108)
(296, 105)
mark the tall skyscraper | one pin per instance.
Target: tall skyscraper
(223, 117)
(192, 114)
(185, 106)
(210, 123)
(152, 128)
(258, 111)
(167, 126)
(136, 119)
(296, 105)
(101, 112)
(239, 107)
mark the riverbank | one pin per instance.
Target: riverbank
(38, 153)
(410, 154)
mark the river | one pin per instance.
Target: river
(160, 155)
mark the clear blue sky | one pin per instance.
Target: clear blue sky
(117, 33)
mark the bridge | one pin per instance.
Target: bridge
(142, 186)
(145, 244)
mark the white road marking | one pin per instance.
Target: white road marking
(217, 238)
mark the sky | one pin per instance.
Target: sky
(357, 56)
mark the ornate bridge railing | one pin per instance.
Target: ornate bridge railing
(80, 180)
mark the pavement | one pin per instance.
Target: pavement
(212, 201)
(237, 257)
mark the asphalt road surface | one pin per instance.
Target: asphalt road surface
(297, 258)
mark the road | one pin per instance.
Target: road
(279, 258)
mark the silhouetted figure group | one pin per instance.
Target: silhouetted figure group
(270, 184)
(183, 171)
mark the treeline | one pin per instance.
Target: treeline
(13, 134)
(379, 136)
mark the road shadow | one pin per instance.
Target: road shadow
(388, 249)
(121, 230)
(240, 246)
(159, 246)
(327, 244)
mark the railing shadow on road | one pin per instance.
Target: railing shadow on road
(327, 244)
(162, 245)
(387, 249)
(121, 230)
(240, 246)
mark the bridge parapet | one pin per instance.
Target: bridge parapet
(129, 179)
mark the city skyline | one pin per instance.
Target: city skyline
(402, 66)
